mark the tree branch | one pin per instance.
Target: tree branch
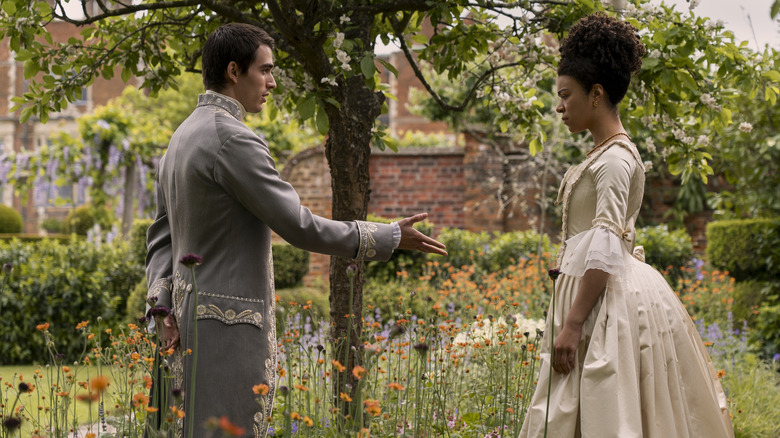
(398, 32)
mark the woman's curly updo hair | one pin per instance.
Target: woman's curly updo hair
(602, 50)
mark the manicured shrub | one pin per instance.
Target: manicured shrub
(137, 240)
(745, 248)
(63, 284)
(10, 220)
(290, 265)
(136, 302)
(81, 219)
(666, 250)
(52, 225)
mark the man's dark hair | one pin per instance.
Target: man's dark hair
(231, 42)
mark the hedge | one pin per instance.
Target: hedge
(10, 220)
(745, 248)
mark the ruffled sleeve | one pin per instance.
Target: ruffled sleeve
(605, 245)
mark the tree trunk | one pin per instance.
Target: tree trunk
(348, 149)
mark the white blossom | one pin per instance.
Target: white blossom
(679, 134)
(338, 40)
(103, 124)
(630, 9)
(344, 19)
(703, 139)
(342, 56)
(648, 166)
(655, 53)
(650, 146)
(745, 127)
(708, 100)
(329, 80)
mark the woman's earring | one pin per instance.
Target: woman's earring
(595, 103)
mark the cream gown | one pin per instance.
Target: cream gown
(641, 368)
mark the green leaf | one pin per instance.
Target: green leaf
(323, 124)
(126, 74)
(419, 38)
(9, 8)
(306, 107)
(31, 68)
(388, 66)
(367, 66)
(772, 75)
(534, 146)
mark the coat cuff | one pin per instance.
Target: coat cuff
(376, 241)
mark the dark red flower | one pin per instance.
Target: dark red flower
(191, 260)
(160, 311)
(12, 423)
(554, 273)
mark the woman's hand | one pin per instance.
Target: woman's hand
(565, 348)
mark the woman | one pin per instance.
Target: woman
(627, 359)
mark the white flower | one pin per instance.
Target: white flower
(346, 67)
(650, 146)
(630, 9)
(344, 19)
(648, 166)
(329, 80)
(679, 134)
(655, 53)
(342, 56)
(338, 40)
(703, 139)
(707, 99)
(745, 127)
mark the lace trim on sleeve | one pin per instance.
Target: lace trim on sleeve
(598, 248)
(368, 244)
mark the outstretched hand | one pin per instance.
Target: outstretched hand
(413, 239)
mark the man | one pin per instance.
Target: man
(219, 196)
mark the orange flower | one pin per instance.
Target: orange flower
(721, 373)
(338, 365)
(151, 409)
(140, 399)
(147, 382)
(395, 385)
(295, 416)
(358, 372)
(177, 412)
(99, 383)
(301, 388)
(88, 397)
(308, 421)
(372, 407)
(41, 327)
(344, 396)
(63, 394)
(81, 325)
(135, 356)
(229, 428)
(261, 389)
(90, 435)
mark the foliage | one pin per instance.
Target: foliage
(290, 265)
(746, 248)
(82, 219)
(666, 250)
(53, 225)
(10, 220)
(492, 252)
(63, 284)
(419, 139)
(136, 302)
(285, 135)
(137, 239)
(767, 329)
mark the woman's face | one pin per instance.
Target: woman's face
(576, 106)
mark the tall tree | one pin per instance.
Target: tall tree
(328, 72)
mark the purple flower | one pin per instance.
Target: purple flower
(160, 311)
(151, 301)
(554, 273)
(352, 270)
(191, 260)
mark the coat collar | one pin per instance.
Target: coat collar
(227, 103)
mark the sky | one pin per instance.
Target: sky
(736, 14)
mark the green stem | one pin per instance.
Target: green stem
(549, 380)
(191, 412)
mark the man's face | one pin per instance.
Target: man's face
(254, 85)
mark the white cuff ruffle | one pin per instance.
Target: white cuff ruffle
(597, 248)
